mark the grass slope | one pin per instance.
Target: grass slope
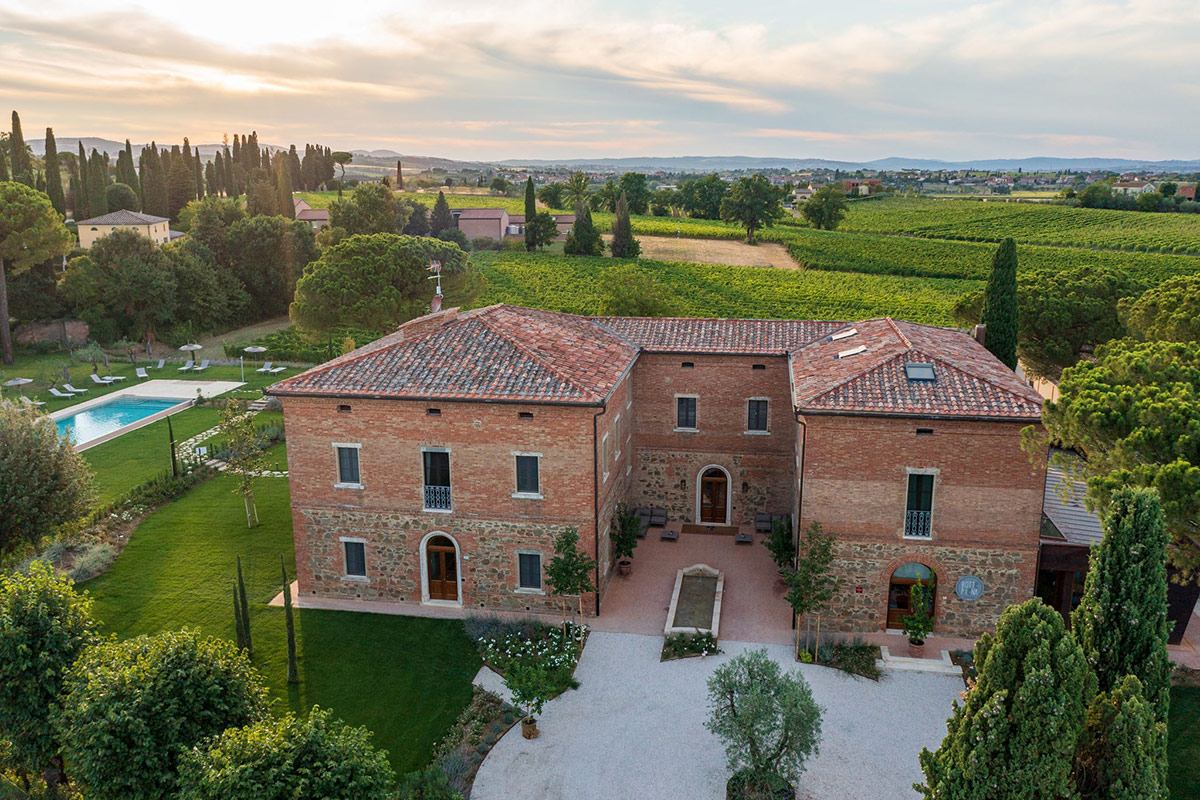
(404, 678)
(1183, 751)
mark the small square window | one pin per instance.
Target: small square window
(687, 365)
(924, 431)
(348, 465)
(685, 416)
(529, 567)
(759, 366)
(356, 559)
(524, 415)
(756, 415)
(343, 409)
(433, 412)
(527, 475)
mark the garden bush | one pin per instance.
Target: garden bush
(682, 645)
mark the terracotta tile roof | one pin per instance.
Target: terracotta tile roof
(829, 376)
(732, 336)
(123, 217)
(495, 353)
(313, 213)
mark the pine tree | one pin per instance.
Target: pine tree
(530, 211)
(238, 627)
(1123, 752)
(293, 668)
(22, 167)
(1121, 622)
(441, 218)
(623, 244)
(97, 182)
(53, 177)
(244, 606)
(1015, 735)
(283, 187)
(584, 239)
(1000, 305)
(84, 194)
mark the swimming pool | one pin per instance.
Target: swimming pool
(104, 418)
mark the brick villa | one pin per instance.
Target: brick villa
(437, 464)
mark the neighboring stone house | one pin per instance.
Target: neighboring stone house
(316, 218)
(437, 464)
(156, 229)
(482, 223)
(1133, 188)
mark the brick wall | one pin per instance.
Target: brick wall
(987, 505)
(668, 461)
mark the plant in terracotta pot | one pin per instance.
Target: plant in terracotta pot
(531, 687)
(624, 537)
(919, 624)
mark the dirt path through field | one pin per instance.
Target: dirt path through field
(715, 251)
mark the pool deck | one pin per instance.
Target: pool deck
(183, 391)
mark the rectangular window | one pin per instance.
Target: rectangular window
(527, 475)
(348, 465)
(756, 415)
(617, 436)
(605, 451)
(918, 516)
(356, 559)
(685, 416)
(529, 565)
(437, 480)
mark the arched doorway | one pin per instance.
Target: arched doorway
(441, 576)
(900, 591)
(712, 496)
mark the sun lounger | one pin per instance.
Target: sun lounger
(265, 367)
(187, 367)
(102, 381)
(57, 393)
(114, 378)
(203, 366)
(73, 390)
(274, 370)
(141, 373)
(162, 362)
(31, 403)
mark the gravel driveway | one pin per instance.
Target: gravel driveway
(635, 728)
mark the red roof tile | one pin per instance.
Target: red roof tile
(731, 336)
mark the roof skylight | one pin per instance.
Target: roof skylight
(853, 351)
(843, 334)
(919, 371)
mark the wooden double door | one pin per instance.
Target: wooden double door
(714, 497)
(441, 564)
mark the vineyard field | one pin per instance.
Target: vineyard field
(1028, 223)
(571, 284)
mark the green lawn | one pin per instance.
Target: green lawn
(402, 677)
(1184, 749)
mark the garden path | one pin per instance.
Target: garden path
(635, 728)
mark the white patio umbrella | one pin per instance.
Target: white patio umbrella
(192, 348)
(18, 382)
(255, 349)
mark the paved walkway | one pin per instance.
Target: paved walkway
(635, 728)
(188, 448)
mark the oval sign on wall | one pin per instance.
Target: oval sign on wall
(969, 587)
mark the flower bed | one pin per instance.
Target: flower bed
(853, 656)
(475, 732)
(689, 645)
(502, 643)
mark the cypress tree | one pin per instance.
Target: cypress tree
(1123, 753)
(441, 218)
(1000, 305)
(238, 628)
(1121, 622)
(3, 165)
(131, 176)
(141, 184)
(293, 668)
(283, 187)
(245, 607)
(97, 182)
(22, 167)
(295, 171)
(1014, 737)
(198, 173)
(530, 211)
(181, 184)
(623, 244)
(399, 176)
(154, 189)
(53, 177)
(584, 239)
(231, 187)
(84, 194)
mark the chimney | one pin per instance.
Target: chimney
(428, 323)
(980, 334)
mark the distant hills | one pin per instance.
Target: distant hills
(384, 157)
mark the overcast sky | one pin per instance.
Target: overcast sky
(854, 80)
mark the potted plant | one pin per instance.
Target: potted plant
(919, 623)
(531, 687)
(624, 537)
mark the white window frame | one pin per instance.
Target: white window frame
(604, 457)
(617, 437)
(766, 432)
(517, 493)
(541, 574)
(337, 465)
(675, 412)
(935, 472)
(435, 449)
(344, 540)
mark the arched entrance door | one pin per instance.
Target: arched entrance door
(714, 496)
(441, 565)
(900, 591)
